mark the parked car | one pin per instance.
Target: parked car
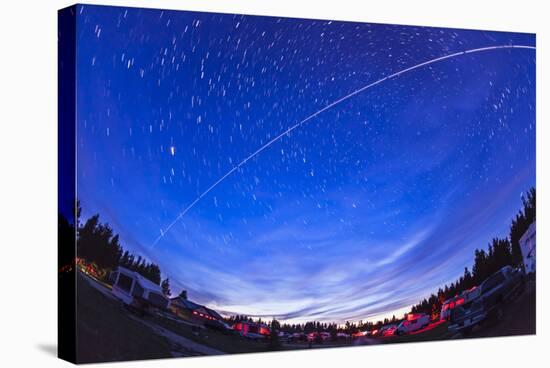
(413, 322)
(496, 290)
(391, 330)
(283, 335)
(252, 330)
(383, 330)
(450, 304)
(342, 336)
(297, 337)
(318, 336)
(358, 334)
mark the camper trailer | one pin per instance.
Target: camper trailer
(527, 244)
(137, 292)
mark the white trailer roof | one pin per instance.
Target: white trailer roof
(145, 283)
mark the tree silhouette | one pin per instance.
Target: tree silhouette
(97, 243)
(274, 341)
(183, 294)
(165, 285)
(66, 239)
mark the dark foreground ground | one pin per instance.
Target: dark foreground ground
(519, 317)
(108, 332)
(105, 332)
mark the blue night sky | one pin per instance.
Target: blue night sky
(359, 213)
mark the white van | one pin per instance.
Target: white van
(136, 291)
(413, 322)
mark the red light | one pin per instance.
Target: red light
(459, 301)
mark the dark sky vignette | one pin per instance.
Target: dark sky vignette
(362, 212)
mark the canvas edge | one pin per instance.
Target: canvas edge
(66, 199)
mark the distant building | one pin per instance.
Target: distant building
(214, 314)
(527, 244)
(186, 309)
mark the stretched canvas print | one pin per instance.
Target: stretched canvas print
(237, 184)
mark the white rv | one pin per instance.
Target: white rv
(413, 322)
(136, 291)
(527, 244)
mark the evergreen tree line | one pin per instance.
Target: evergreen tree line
(500, 253)
(315, 326)
(97, 243)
